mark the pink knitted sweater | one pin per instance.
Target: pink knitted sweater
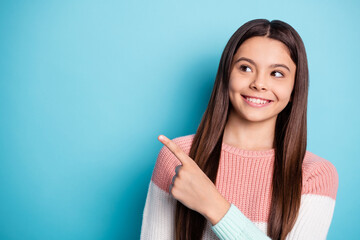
(244, 179)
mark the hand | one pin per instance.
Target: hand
(192, 187)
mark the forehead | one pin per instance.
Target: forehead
(265, 51)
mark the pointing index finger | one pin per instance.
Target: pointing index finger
(175, 149)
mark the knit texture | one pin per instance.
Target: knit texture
(244, 179)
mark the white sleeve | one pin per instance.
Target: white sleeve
(314, 218)
(158, 216)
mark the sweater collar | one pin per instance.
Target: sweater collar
(248, 153)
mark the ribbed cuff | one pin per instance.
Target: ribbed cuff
(235, 225)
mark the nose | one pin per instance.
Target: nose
(259, 83)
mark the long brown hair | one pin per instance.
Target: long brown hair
(289, 142)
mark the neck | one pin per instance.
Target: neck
(249, 135)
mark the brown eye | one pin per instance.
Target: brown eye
(278, 74)
(244, 68)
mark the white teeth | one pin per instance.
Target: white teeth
(256, 100)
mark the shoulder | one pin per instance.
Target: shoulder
(320, 176)
(166, 162)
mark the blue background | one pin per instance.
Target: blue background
(87, 86)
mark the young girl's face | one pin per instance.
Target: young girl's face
(261, 68)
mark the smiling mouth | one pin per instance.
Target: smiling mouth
(256, 100)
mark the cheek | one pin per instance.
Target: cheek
(235, 85)
(284, 93)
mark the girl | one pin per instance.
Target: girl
(246, 173)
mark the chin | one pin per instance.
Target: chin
(256, 117)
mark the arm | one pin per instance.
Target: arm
(313, 222)
(315, 214)
(158, 215)
(314, 218)
(317, 202)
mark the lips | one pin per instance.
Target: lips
(245, 96)
(258, 103)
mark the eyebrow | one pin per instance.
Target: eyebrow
(272, 65)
